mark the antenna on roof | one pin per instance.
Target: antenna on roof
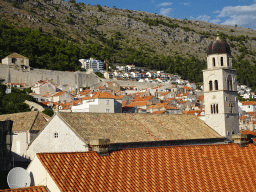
(18, 178)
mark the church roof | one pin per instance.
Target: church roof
(218, 46)
(136, 127)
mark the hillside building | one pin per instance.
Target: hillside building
(91, 64)
(220, 90)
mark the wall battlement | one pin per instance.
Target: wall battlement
(79, 78)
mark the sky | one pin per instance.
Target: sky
(225, 12)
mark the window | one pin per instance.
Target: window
(221, 61)
(210, 85)
(216, 84)
(228, 62)
(233, 132)
(214, 111)
(211, 109)
(229, 83)
(56, 135)
(107, 102)
(217, 108)
(227, 133)
(213, 62)
(107, 110)
(13, 60)
(231, 106)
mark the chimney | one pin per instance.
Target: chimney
(240, 139)
(100, 146)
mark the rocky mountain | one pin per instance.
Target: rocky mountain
(151, 34)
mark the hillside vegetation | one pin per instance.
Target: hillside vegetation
(55, 34)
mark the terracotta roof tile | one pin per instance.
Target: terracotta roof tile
(200, 98)
(249, 102)
(242, 117)
(188, 88)
(137, 103)
(192, 112)
(223, 167)
(16, 55)
(26, 189)
(59, 93)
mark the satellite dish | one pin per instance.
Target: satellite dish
(18, 178)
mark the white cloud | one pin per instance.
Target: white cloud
(164, 4)
(165, 11)
(201, 18)
(215, 21)
(186, 4)
(243, 16)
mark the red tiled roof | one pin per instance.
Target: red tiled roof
(223, 167)
(200, 98)
(159, 112)
(188, 88)
(249, 102)
(59, 93)
(248, 132)
(139, 103)
(86, 91)
(26, 189)
(46, 94)
(242, 117)
(192, 112)
(16, 55)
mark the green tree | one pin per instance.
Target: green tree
(48, 112)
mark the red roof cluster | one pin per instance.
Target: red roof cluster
(222, 167)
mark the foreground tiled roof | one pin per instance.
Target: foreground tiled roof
(26, 120)
(27, 189)
(135, 127)
(225, 167)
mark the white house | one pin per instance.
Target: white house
(25, 128)
(247, 106)
(16, 59)
(93, 64)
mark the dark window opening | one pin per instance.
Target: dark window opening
(228, 61)
(213, 61)
(211, 109)
(217, 109)
(13, 60)
(221, 61)
(210, 85)
(216, 84)
(229, 83)
(214, 111)
(56, 135)
(231, 107)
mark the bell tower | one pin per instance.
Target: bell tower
(220, 90)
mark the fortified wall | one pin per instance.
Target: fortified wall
(78, 78)
(81, 79)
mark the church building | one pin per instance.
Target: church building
(220, 90)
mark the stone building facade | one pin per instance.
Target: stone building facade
(220, 90)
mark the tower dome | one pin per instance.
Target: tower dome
(218, 46)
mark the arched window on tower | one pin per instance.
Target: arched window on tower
(221, 61)
(228, 61)
(213, 62)
(229, 83)
(210, 85)
(217, 108)
(214, 111)
(216, 85)
(211, 109)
